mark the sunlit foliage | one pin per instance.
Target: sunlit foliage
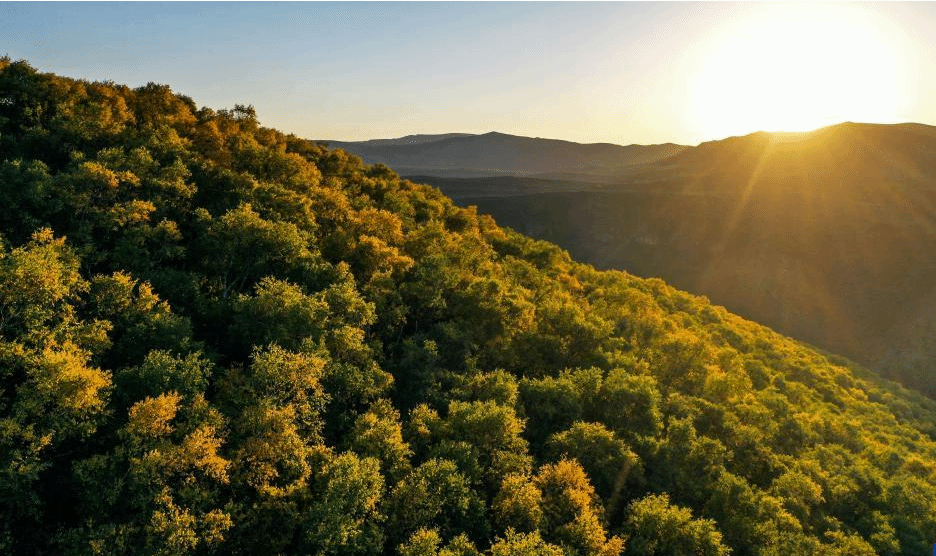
(219, 339)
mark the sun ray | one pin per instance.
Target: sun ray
(732, 222)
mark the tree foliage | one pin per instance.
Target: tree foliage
(217, 338)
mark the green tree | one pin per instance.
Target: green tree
(572, 514)
(344, 517)
(609, 462)
(657, 527)
(434, 495)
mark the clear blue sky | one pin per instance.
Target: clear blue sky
(588, 72)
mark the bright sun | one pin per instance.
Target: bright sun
(796, 68)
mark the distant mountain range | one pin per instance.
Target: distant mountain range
(828, 236)
(499, 154)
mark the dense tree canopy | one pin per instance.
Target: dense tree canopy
(219, 339)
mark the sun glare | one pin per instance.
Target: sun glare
(796, 68)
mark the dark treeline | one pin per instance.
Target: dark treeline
(219, 339)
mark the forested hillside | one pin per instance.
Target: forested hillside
(219, 339)
(827, 236)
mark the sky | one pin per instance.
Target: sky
(627, 72)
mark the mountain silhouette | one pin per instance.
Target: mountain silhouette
(499, 154)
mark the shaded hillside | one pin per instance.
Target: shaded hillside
(828, 236)
(506, 186)
(216, 338)
(494, 154)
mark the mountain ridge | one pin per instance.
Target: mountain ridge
(405, 140)
(504, 154)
